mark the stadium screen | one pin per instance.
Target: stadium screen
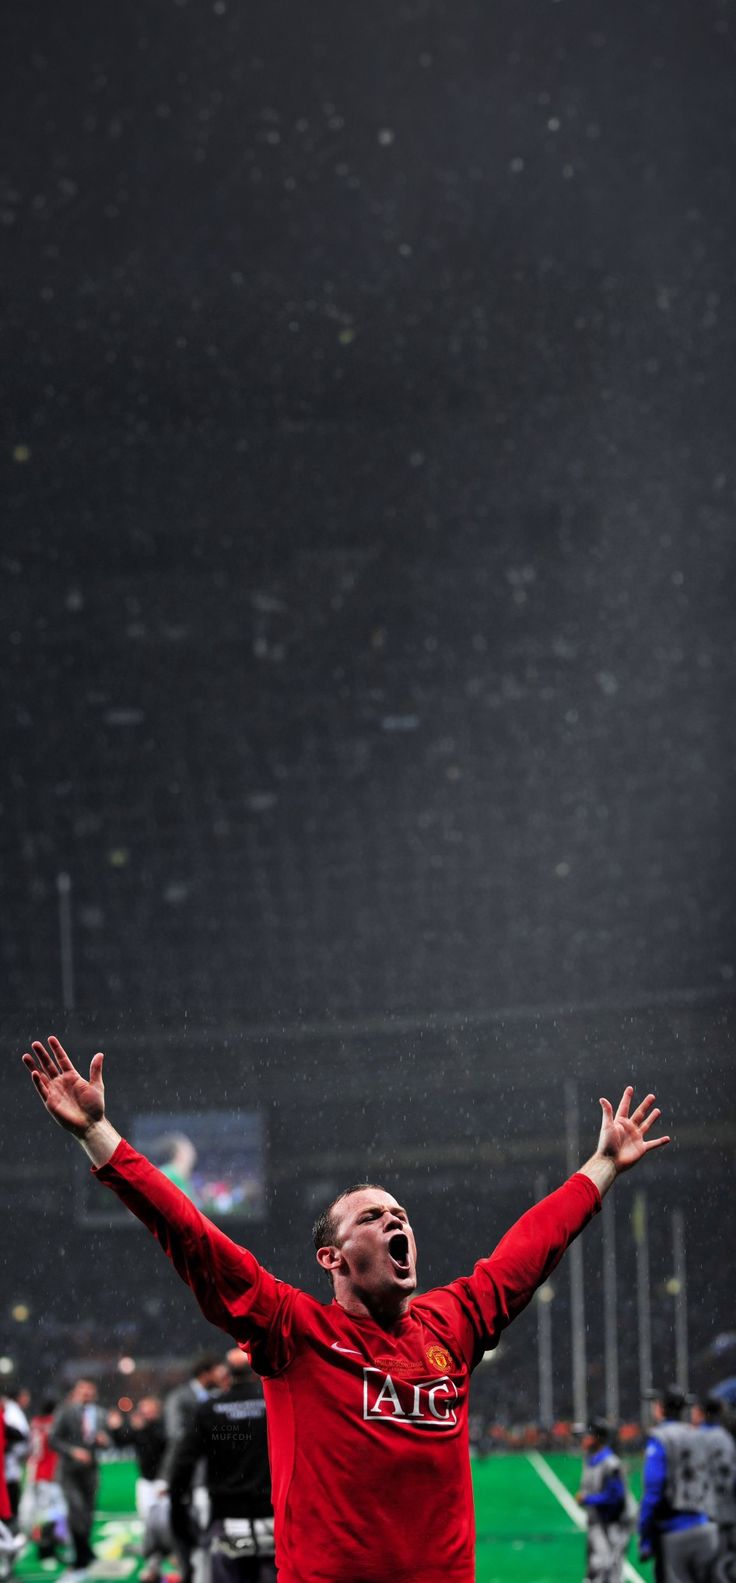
(216, 1157)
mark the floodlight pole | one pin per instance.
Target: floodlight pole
(643, 1294)
(64, 890)
(577, 1289)
(610, 1310)
(544, 1340)
(678, 1256)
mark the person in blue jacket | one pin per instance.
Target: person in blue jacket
(603, 1496)
(675, 1529)
(707, 1416)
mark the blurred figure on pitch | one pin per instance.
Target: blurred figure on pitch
(229, 1433)
(143, 1429)
(675, 1528)
(604, 1497)
(42, 1512)
(180, 1409)
(17, 1444)
(707, 1418)
(10, 1544)
(77, 1433)
(182, 1402)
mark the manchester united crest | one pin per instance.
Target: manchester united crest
(438, 1357)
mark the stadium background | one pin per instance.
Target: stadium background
(367, 563)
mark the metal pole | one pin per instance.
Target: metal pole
(643, 1295)
(544, 1340)
(610, 1311)
(64, 888)
(678, 1251)
(577, 1289)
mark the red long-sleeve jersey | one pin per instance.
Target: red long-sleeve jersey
(368, 1426)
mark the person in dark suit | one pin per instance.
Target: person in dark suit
(78, 1435)
(181, 1404)
(180, 1408)
(229, 1433)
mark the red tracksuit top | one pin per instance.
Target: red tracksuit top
(43, 1462)
(368, 1427)
(6, 1511)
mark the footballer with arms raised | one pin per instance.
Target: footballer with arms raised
(367, 1396)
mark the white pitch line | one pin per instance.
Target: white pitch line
(565, 1499)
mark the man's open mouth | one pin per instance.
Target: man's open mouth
(398, 1247)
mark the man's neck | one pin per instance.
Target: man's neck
(387, 1315)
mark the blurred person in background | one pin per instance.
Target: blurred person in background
(143, 1429)
(182, 1402)
(10, 1544)
(603, 1496)
(229, 1433)
(77, 1433)
(367, 1396)
(707, 1417)
(42, 1507)
(675, 1528)
(17, 1444)
(180, 1408)
(176, 1157)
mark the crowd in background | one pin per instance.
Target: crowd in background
(203, 1496)
(202, 1486)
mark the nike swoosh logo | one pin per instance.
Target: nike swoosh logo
(336, 1348)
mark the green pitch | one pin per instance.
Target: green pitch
(524, 1533)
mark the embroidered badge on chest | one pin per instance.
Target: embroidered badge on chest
(439, 1358)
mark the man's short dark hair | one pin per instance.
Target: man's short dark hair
(600, 1427)
(324, 1230)
(674, 1400)
(203, 1364)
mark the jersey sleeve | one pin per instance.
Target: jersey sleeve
(233, 1290)
(612, 1493)
(654, 1481)
(480, 1306)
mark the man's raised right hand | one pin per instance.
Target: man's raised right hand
(76, 1104)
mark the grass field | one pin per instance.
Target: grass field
(526, 1534)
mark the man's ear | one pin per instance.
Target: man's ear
(330, 1259)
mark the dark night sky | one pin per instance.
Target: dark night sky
(367, 551)
(368, 412)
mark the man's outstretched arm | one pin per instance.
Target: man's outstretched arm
(232, 1288)
(623, 1140)
(77, 1105)
(502, 1285)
